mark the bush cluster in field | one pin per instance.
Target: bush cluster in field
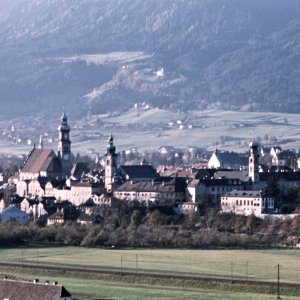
(128, 226)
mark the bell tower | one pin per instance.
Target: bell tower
(64, 145)
(253, 161)
(110, 165)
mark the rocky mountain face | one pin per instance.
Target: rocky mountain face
(96, 56)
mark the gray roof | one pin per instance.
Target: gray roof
(205, 173)
(166, 184)
(136, 172)
(287, 176)
(230, 174)
(245, 194)
(232, 158)
(79, 168)
(221, 182)
(22, 290)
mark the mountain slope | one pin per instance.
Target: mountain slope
(97, 55)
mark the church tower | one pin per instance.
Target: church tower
(110, 165)
(253, 161)
(64, 145)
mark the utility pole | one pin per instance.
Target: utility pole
(246, 270)
(136, 264)
(231, 271)
(121, 265)
(278, 281)
(37, 256)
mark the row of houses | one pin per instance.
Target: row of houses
(274, 156)
(144, 185)
(77, 193)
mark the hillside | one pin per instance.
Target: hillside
(98, 56)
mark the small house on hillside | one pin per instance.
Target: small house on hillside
(21, 290)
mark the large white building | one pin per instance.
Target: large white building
(162, 191)
(247, 203)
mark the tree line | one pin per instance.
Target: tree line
(133, 226)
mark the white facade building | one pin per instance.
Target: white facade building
(247, 203)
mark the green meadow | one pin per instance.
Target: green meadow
(236, 264)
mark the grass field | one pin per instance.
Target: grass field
(111, 289)
(251, 264)
(235, 129)
(209, 127)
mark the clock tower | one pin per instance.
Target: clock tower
(64, 145)
(110, 165)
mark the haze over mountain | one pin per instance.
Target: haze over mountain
(102, 56)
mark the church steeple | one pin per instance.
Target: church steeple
(253, 161)
(64, 144)
(111, 149)
(110, 165)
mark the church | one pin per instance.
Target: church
(42, 162)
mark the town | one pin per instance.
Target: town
(56, 187)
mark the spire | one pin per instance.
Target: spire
(110, 165)
(253, 168)
(64, 144)
(41, 144)
(111, 149)
(64, 122)
(254, 144)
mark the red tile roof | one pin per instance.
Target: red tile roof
(40, 160)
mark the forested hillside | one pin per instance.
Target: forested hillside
(97, 56)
